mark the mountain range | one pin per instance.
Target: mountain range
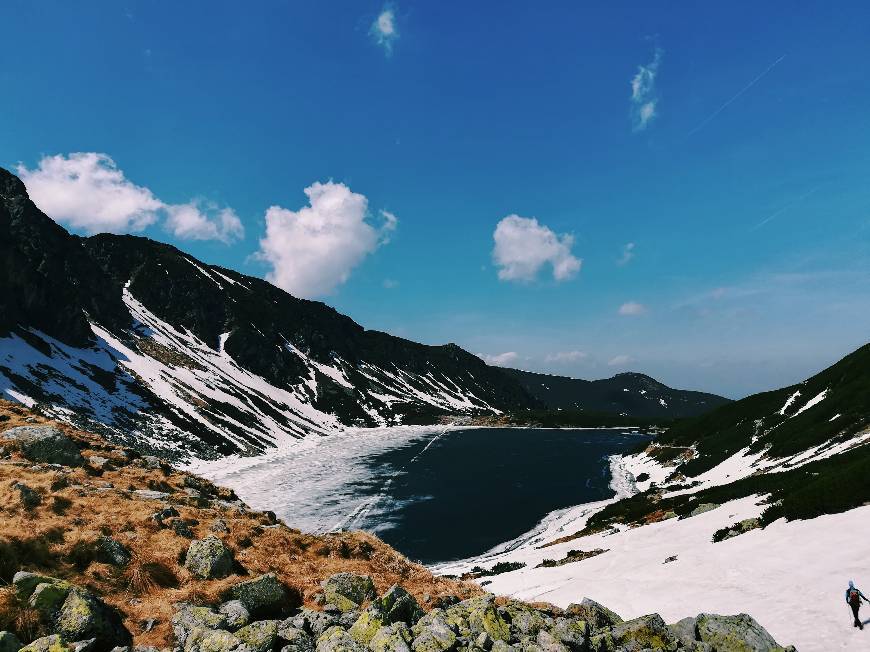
(144, 343)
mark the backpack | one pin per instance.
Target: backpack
(854, 596)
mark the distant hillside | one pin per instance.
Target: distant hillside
(628, 394)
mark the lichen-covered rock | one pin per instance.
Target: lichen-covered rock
(501, 646)
(702, 508)
(397, 605)
(335, 639)
(189, 617)
(29, 498)
(263, 595)
(685, 631)
(45, 444)
(480, 615)
(548, 642)
(259, 636)
(83, 615)
(111, 551)
(571, 632)
(311, 621)
(236, 613)
(295, 639)
(201, 639)
(88, 645)
(740, 633)
(392, 638)
(434, 633)
(209, 558)
(25, 583)
(644, 633)
(9, 642)
(49, 596)
(347, 591)
(597, 615)
(525, 621)
(367, 625)
(53, 643)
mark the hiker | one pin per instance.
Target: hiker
(853, 599)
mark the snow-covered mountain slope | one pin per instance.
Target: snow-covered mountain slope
(627, 394)
(144, 343)
(762, 503)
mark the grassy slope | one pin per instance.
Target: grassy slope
(58, 536)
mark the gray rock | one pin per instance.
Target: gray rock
(311, 621)
(29, 498)
(392, 638)
(25, 583)
(597, 615)
(525, 621)
(483, 641)
(83, 616)
(188, 618)
(501, 646)
(573, 633)
(219, 525)
(685, 631)
(53, 643)
(88, 645)
(296, 639)
(99, 463)
(263, 595)
(702, 508)
(201, 639)
(151, 462)
(150, 494)
(397, 605)
(236, 613)
(45, 444)
(646, 632)
(734, 633)
(49, 596)
(259, 636)
(548, 642)
(9, 642)
(335, 639)
(434, 634)
(478, 615)
(209, 558)
(348, 591)
(111, 551)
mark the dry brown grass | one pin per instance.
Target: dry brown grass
(58, 538)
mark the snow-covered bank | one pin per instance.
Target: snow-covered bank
(789, 576)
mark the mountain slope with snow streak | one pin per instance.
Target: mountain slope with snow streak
(143, 343)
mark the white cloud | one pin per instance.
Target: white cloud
(313, 250)
(523, 247)
(500, 359)
(644, 97)
(390, 283)
(384, 30)
(566, 356)
(620, 361)
(87, 191)
(632, 309)
(627, 254)
(198, 221)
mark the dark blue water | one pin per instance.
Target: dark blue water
(469, 490)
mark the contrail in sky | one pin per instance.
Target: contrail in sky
(782, 210)
(739, 93)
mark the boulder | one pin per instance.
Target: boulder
(53, 643)
(597, 615)
(434, 633)
(9, 642)
(702, 508)
(392, 638)
(83, 615)
(259, 636)
(501, 646)
(335, 639)
(685, 631)
(548, 643)
(45, 444)
(49, 596)
(189, 617)
(480, 615)
(311, 621)
(367, 625)
(296, 639)
(25, 583)
(525, 621)
(740, 633)
(99, 463)
(236, 613)
(263, 595)
(348, 591)
(113, 552)
(397, 605)
(209, 558)
(29, 498)
(646, 632)
(201, 639)
(573, 633)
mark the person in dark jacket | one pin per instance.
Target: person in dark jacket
(853, 599)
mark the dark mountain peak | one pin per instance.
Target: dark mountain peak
(11, 186)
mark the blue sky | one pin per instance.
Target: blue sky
(735, 168)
